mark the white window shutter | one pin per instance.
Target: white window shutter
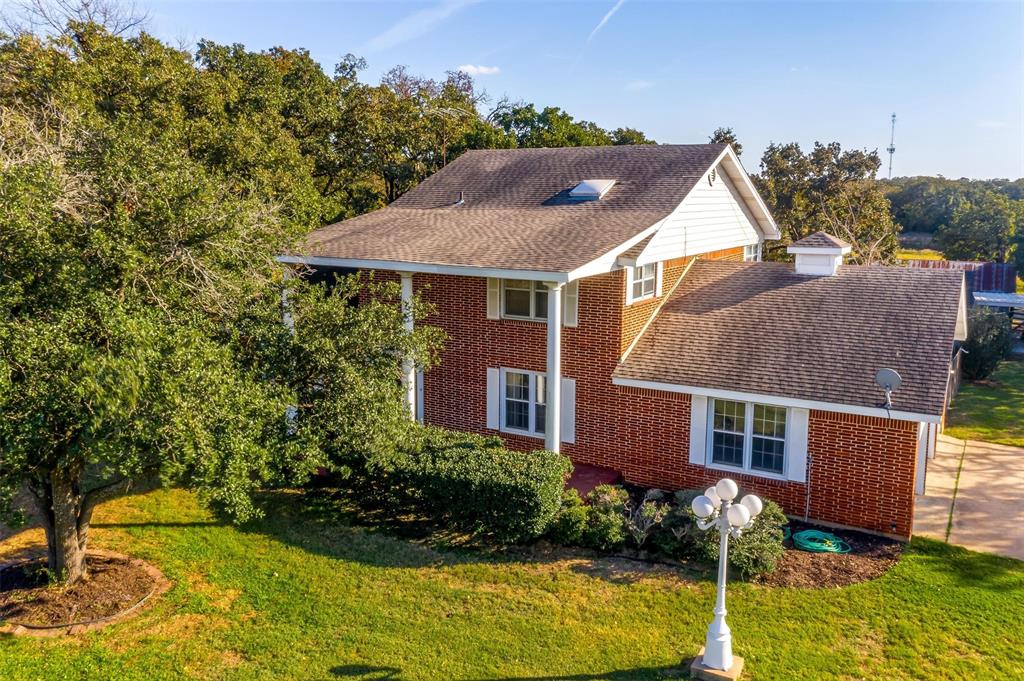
(796, 444)
(571, 304)
(629, 285)
(569, 410)
(493, 298)
(698, 429)
(658, 276)
(493, 398)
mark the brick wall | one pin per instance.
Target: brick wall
(862, 469)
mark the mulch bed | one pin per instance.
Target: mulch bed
(114, 587)
(870, 556)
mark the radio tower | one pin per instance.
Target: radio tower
(892, 144)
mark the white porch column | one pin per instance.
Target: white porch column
(408, 367)
(286, 308)
(553, 379)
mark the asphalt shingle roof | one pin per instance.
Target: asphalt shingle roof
(761, 328)
(821, 240)
(516, 211)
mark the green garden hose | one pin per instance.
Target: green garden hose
(819, 542)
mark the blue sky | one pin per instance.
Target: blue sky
(952, 72)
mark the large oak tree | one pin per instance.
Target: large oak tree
(143, 200)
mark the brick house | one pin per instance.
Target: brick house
(611, 303)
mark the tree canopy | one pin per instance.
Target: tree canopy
(832, 190)
(984, 227)
(144, 193)
(726, 136)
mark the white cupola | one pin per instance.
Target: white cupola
(819, 255)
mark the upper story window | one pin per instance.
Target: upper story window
(642, 282)
(524, 402)
(752, 253)
(748, 437)
(523, 299)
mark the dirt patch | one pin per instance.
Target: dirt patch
(870, 556)
(115, 587)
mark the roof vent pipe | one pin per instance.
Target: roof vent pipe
(462, 199)
(819, 255)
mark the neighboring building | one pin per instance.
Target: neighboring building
(610, 303)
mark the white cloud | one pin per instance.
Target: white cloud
(479, 70)
(416, 24)
(604, 19)
(639, 84)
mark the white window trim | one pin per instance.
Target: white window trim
(502, 401)
(748, 440)
(534, 287)
(751, 252)
(655, 293)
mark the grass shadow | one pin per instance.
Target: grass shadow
(330, 522)
(969, 568)
(370, 673)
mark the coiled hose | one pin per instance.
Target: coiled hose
(819, 542)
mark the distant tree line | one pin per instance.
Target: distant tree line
(970, 219)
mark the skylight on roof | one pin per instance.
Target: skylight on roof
(591, 190)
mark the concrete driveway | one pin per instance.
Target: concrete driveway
(983, 510)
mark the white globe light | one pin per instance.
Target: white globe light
(702, 506)
(727, 489)
(753, 504)
(738, 515)
(712, 494)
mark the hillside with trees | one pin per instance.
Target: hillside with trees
(966, 219)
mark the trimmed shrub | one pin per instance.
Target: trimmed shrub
(482, 487)
(643, 518)
(678, 535)
(570, 523)
(606, 515)
(753, 553)
(989, 341)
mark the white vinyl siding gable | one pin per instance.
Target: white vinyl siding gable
(712, 217)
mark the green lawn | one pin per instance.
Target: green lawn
(991, 410)
(302, 596)
(919, 254)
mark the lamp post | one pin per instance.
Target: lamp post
(715, 508)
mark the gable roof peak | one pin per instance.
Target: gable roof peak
(820, 239)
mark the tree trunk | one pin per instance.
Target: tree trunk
(67, 547)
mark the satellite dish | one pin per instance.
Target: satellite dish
(888, 380)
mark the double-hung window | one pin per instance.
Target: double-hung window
(644, 282)
(524, 402)
(752, 253)
(748, 437)
(523, 299)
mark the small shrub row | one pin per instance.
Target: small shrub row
(610, 519)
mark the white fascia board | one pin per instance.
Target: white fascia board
(776, 400)
(609, 262)
(960, 332)
(740, 176)
(425, 268)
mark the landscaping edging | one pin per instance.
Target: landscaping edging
(160, 585)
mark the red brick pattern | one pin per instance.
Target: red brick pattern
(861, 470)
